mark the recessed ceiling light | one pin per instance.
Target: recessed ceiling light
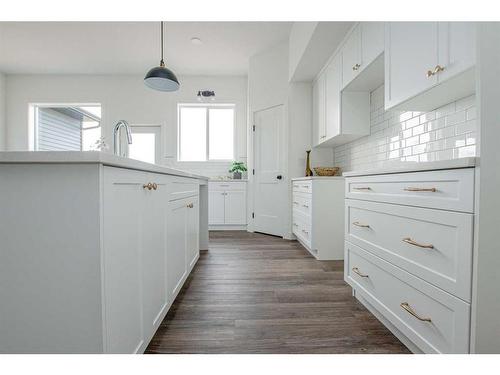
(196, 41)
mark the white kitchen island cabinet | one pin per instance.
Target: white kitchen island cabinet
(94, 249)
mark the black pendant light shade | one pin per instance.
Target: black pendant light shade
(161, 78)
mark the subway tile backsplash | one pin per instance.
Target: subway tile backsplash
(448, 132)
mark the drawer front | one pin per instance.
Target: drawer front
(227, 186)
(431, 318)
(446, 189)
(302, 203)
(302, 228)
(180, 189)
(434, 245)
(302, 186)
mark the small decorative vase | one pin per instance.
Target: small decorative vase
(309, 172)
(236, 175)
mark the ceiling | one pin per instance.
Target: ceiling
(134, 47)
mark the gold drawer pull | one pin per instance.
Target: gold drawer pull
(190, 205)
(358, 224)
(357, 272)
(148, 186)
(356, 67)
(362, 188)
(305, 206)
(414, 243)
(407, 307)
(154, 185)
(420, 189)
(436, 70)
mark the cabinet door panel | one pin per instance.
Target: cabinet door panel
(333, 87)
(176, 245)
(372, 42)
(155, 212)
(216, 207)
(411, 51)
(236, 207)
(351, 56)
(319, 130)
(456, 48)
(192, 232)
(122, 239)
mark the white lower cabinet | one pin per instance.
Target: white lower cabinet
(317, 219)
(408, 253)
(227, 205)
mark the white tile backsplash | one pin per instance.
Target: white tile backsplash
(448, 132)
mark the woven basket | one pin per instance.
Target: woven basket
(326, 171)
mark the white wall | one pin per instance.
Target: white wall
(2, 112)
(300, 35)
(448, 132)
(125, 97)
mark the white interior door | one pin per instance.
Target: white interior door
(270, 189)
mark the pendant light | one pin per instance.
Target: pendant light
(161, 78)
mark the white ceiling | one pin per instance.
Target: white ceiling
(134, 47)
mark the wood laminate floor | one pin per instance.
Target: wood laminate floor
(252, 293)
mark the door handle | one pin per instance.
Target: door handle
(279, 177)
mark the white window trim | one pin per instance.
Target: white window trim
(207, 129)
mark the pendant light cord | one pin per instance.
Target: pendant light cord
(162, 63)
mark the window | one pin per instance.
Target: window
(66, 128)
(146, 143)
(206, 132)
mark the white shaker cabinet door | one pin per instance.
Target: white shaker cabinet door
(176, 245)
(192, 231)
(411, 51)
(457, 51)
(351, 56)
(372, 42)
(235, 207)
(319, 121)
(216, 207)
(122, 240)
(333, 85)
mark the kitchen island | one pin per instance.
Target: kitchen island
(94, 248)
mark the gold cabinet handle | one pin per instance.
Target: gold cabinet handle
(437, 69)
(414, 243)
(356, 67)
(148, 186)
(357, 272)
(358, 224)
(433, 190)
(190, 205)
(305, 206)
(406, 306)
(362, 188)
(154, 185)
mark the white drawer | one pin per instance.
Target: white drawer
(451, 189)
(302, 203)
(302, 228)
(389, 289)
(226, 186)
(183, 188)
(398, 234)
(302, 186)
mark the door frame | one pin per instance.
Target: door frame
(287, 233)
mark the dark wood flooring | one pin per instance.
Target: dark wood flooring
(252, 293)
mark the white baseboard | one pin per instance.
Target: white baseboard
(227, 227)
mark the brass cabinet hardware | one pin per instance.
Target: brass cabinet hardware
(437, 69)
(406, 306)
(414, 243)
(358, 224)
(357, 272)
(362, 188)
(148, 186)
(433, 190)
(356, 67)
(305, 231)
(154, 185)
(295, 202)
(323, 136)
(305, 206)
(190, 205)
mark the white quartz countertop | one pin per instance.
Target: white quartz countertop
(88, 157)
(227, 180)
(318, 178)
(403, 167)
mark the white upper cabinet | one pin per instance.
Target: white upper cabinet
(333, 84)
(372, 42)
(351, 56)
(423, 57)
(319, 125)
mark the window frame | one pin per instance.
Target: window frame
(33, 119)
(207, 106)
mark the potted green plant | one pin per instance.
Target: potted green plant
(237, 169)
